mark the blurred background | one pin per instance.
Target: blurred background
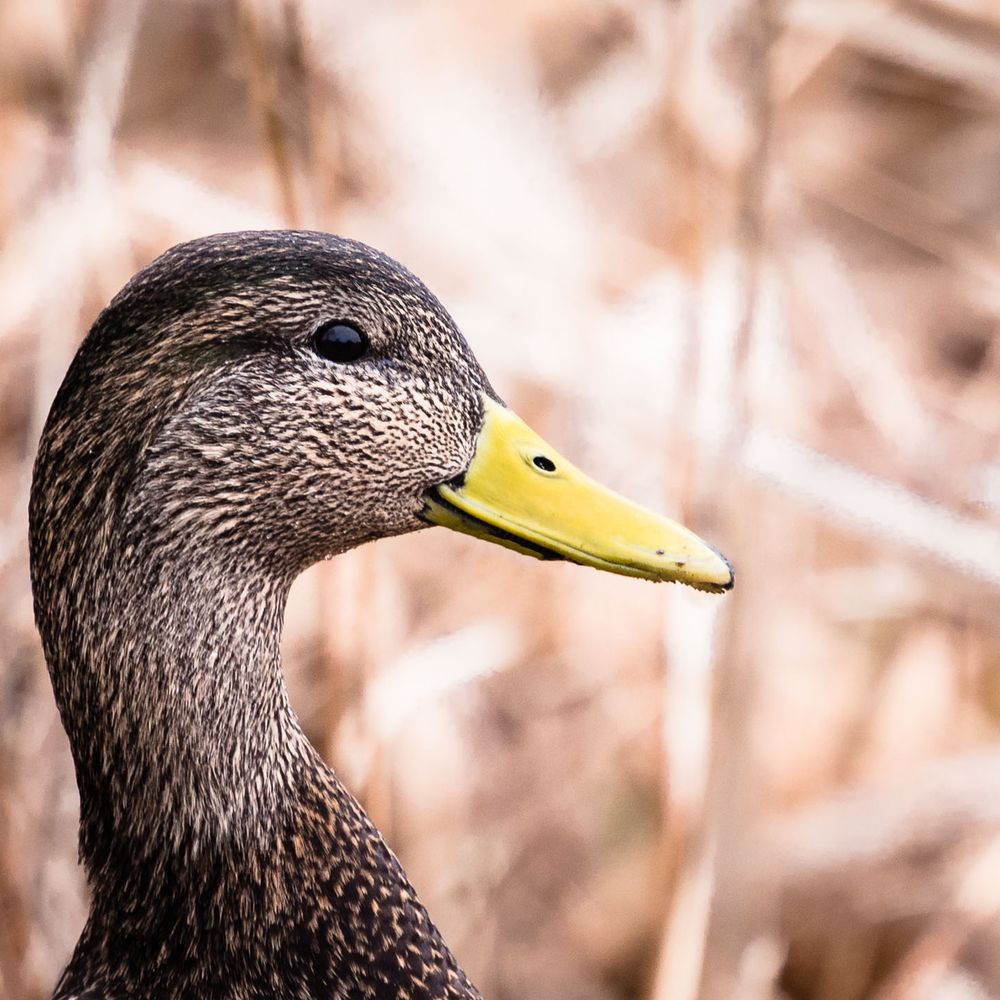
(740, 259)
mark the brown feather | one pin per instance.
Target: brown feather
(197, 457)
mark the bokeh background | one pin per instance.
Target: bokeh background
(741, 260)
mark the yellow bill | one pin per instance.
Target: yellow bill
(520, 493)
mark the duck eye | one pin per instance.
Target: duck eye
(340, 342)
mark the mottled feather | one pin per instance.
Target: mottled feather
(197, 457)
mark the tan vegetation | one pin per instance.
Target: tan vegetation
(738, 258)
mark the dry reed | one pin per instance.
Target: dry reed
(742, 259)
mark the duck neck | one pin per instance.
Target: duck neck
(208, 822)
(169, 680)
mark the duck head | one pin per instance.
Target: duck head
(248, 404)
(288, 395)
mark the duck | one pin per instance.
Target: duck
(248, 404)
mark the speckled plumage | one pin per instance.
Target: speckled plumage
(197, 457)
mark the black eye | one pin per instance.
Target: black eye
(340, 342)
